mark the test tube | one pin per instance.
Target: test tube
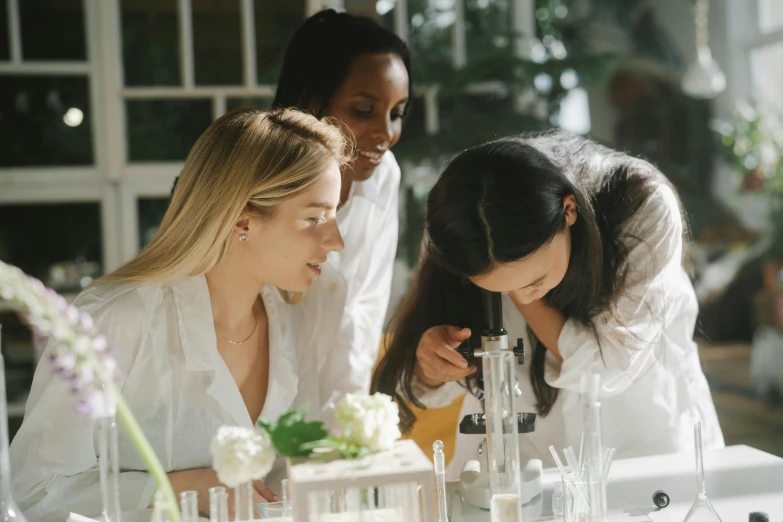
(594, 454)
(502, 436)
(188, 504)
(440, 480)
(160, 511)
(218, 504)
(243, 502)
(557, 500)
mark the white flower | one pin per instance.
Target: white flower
(240, 455)
(371, 421)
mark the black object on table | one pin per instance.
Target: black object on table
(661, 498)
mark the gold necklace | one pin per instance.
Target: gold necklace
(243, 340)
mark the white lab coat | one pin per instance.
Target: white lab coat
(176, 384)
(348, 300)
(653, 386)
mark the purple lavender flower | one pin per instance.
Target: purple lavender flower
(78, 354)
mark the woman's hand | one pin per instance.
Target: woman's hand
(201, 480)
(437, 362)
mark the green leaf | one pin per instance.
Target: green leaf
(328, 442)
(354, 451)
(292, 431)
(266, 424)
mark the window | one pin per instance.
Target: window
(150, 42)
(5, 50)
(46, 120)
(58, 243)
(275, 23)
(160, 130)
(770, 16)
(52, 30)
(766, 64)
(762, 32)
(150, 211)
(85, 173)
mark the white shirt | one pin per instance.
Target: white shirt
(176, 384)
(653, 387)
(348, 300)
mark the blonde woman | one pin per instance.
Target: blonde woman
(203, 332)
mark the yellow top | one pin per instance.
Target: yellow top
(434, 423)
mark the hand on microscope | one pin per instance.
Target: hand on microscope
(437, 361)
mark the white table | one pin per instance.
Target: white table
(739, 480)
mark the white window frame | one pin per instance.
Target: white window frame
(744, 36)
(115, 182)
(58, 184)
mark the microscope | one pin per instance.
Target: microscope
(497, 388)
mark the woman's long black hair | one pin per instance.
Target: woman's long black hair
(321, 51)
(498, 203)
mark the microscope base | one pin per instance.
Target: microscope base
(478, 494)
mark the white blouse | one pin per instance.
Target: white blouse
(176, 384)
(653, 386)
(348, 300)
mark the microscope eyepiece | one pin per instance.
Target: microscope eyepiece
(493, 314)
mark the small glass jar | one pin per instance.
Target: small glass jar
(557, 501)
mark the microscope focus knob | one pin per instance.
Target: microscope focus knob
(519, 351)
(466, 351)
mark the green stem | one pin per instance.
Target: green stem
(146, 452)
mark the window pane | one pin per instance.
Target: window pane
(429, 38)
(483, 116)
(150, 42)
(44, 121)
(5, 52)
(276, 23)
(150, 212)
(18, 352)
(52, 30)
(20, 355)
(65, 254)
(382, 11)
(161, 130)
(767, 73)
(770, 15)
(414, 143)
(487, 27)
(217, 42)
(257, 102)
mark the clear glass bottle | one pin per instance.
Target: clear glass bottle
(594, 453)
(109, 467)
(502, 436)
(557, 501)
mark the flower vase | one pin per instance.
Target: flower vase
(8, 508)
(108, 465)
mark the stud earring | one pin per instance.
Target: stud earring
(243, 237)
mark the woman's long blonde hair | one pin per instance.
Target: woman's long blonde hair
(246, 160)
